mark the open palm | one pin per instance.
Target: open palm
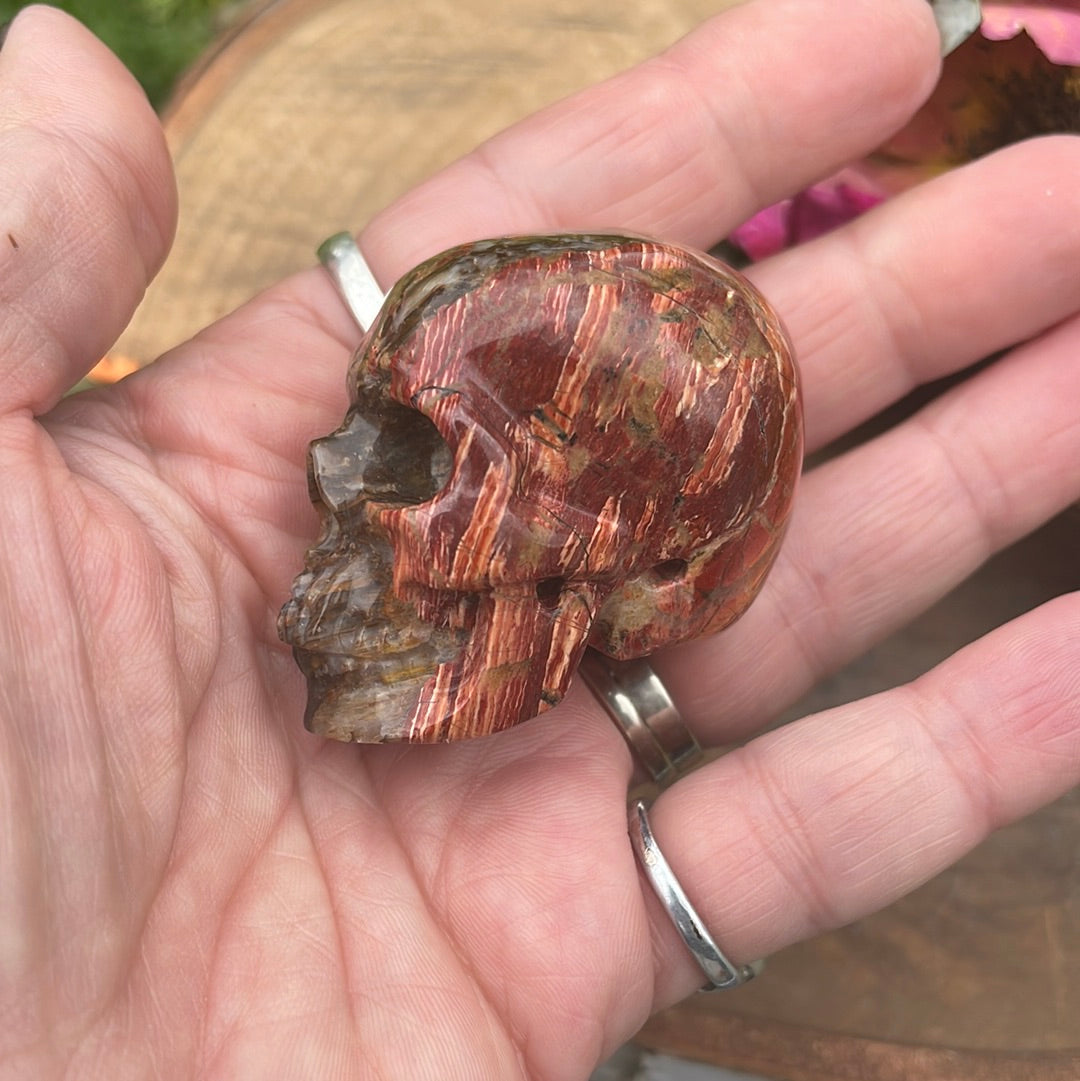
(190, 884)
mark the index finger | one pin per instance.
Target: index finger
(687, 145)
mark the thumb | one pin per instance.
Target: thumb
(88, 204)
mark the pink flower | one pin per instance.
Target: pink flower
(1013, 79)
(812, 212)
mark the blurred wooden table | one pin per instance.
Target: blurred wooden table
(974, 977)
(315, 114)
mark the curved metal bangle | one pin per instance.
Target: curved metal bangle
(720, 973)
(639, 704)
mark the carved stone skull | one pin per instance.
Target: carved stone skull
(553, 442)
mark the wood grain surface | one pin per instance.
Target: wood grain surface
(315, 114)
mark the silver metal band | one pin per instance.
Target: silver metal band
(639, 704)
(345, 263)
(720, 973)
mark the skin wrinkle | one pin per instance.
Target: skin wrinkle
(134, 209)
(511, 1037)
(1045, 713)
(516, 204)
(980, 808)
(93, 424)
(659, 924)
(151, 232)
(515, 1036)
(990, 534)
(1020, 704)
(227, 905)
(717, 141)
(352, 992)
(234, 562)
(28, 326)
(428, 887)
(885, 287)
(814, 646)
(867, 860)
(1065, 432)
(127, 962)
(32, 871)
(813, 891)
(66, 1033)
(435, 920)
(666, 168)
(882, 289)
(105, 1001)
(159, 1015)
(186, 799)
(993, 500)
(163, 518)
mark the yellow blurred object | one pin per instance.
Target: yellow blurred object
(112, 368)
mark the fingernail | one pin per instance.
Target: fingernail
(957, 20)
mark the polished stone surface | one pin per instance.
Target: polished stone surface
(553, 442)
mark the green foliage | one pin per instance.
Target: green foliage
(157, 39)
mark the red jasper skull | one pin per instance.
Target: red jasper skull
(553, 442)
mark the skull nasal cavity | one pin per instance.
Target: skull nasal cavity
(409, 459)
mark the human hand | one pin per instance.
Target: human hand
(191, 884)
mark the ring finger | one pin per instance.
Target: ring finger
(829, 819)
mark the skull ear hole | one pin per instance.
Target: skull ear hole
(670, 570)
(548, 592)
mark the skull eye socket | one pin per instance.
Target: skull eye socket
(410, 461)
(670, 570)
(383, 453)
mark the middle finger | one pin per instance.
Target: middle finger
(884, 531)
(951, 272)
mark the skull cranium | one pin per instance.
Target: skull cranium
(552, 442)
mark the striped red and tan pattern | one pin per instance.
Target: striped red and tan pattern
(554, 442)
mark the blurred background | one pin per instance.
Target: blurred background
(157, 39)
